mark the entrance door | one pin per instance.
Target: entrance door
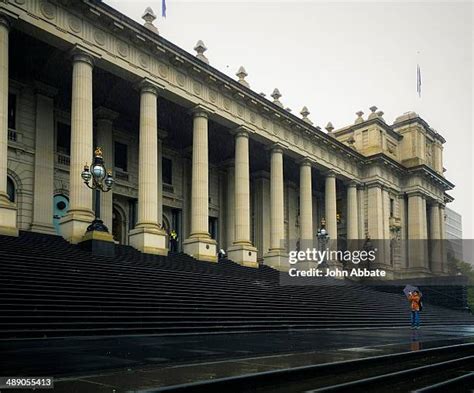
(117, 226)
(213, 227)
(60, 208)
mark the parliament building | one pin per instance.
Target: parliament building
(196, 151)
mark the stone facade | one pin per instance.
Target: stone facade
(202, 153)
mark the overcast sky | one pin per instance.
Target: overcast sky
(340, 57)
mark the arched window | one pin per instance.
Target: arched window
(11, 189)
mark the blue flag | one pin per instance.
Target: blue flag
(163, 8)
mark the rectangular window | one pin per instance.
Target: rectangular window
(121, 156)
(392, 207)
(63, 138)
(167, 170)
(11, 111)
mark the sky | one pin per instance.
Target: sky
(337, 58)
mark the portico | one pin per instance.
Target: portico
(195, 151)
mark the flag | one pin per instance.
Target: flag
(418, 79)
(163, 8)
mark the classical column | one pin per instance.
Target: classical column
(306, 205)
(105, 118)
(435, 239)
(44, 161)
(331, 208)
(242, 250)
(262, 212)
(361, 210)
(199, 244)
(416, 234)
(147, 236)
(276, 256)
(375, 222)
(230, 206)
(161, 135)
(442, 226)
(74, 224)
(7, 209)
(352, 212)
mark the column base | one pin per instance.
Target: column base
(47, 229)
(98, 243)
(201, 248)
(74, 224)
(243, 254)
(149, 240)
(277, 259)
(7, 217)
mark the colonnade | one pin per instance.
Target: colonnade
(148, 236)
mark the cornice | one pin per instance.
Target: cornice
(163, 47)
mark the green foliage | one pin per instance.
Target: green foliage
(466, 269)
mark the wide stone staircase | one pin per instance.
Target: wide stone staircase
(49, 288)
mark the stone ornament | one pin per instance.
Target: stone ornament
(149, 16)
(304, 113)
(373, 115)
(242, 74)
(276, 97)
(48, 10)
(200, 48)
(359, 119)
(329, 127)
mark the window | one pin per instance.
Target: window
(10, 189)
(12, 111)
(167, 168)
(121, 156)
(63, 138)
(392, 207)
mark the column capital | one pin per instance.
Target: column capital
(102, 113)
(360, 186)
(330, 173)
(305, 161)
(415, 193)
(242, 131)
(352, 183)
(374, 184)
(5, 21)
(148, 86)
(81, 54)
(276, 148)
(200, 111)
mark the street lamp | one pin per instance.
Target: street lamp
(323, 236)
(102, 180)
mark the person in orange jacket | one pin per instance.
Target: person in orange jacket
(415, 305)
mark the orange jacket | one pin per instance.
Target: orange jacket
(414, 301)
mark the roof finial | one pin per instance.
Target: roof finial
(329, 127)
(276, 97)
(242, 74)
(200, 48)
(359, 119)
(305, 112)
(380, 115)
(373, 115)
(149, 16)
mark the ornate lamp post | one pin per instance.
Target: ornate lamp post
(323, 237)
(102, 180)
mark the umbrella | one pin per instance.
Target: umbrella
(410, 288)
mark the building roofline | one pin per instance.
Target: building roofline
(424, 124)
(169, 46)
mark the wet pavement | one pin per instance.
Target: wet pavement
(133, 363)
